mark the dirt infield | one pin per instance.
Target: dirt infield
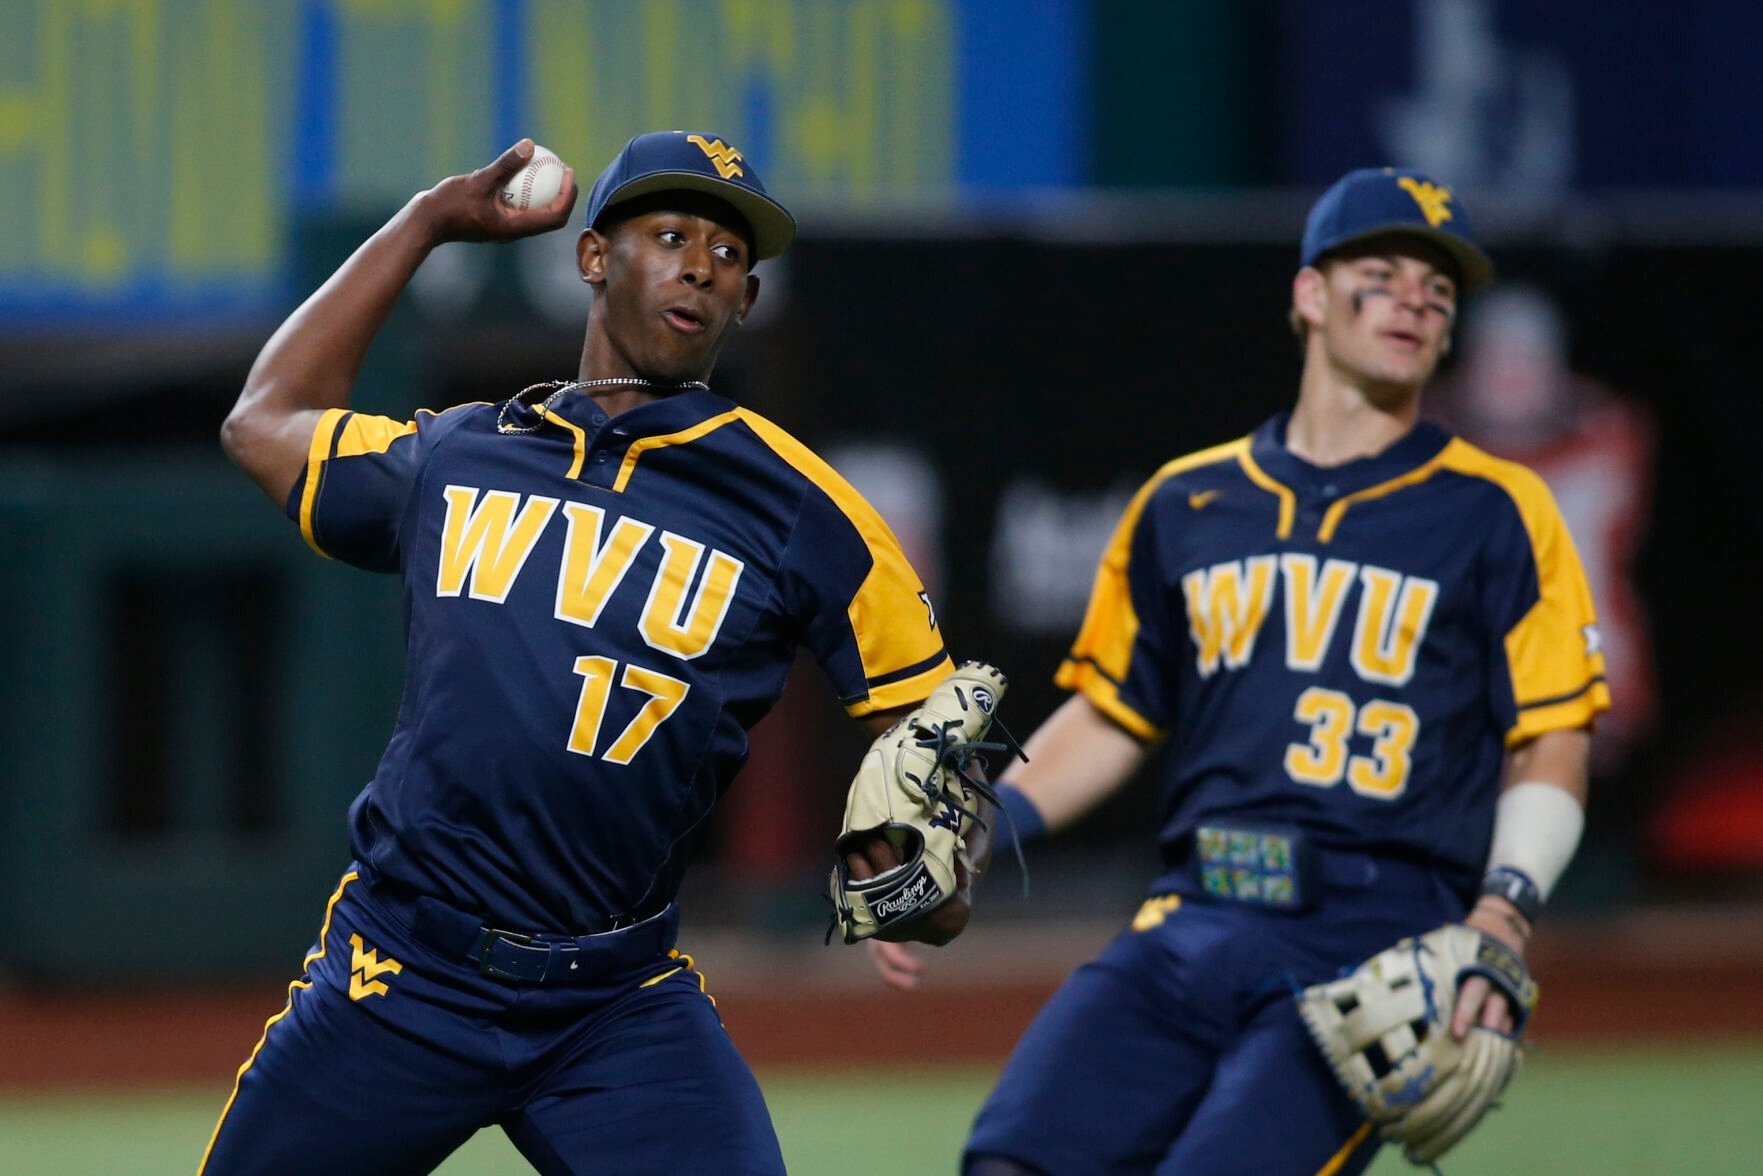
(1657, 978)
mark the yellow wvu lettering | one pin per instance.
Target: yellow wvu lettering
(591, 571)
(726, 158)
(1432, 199)
(487, 541)
(364, 965)
(667, 624)
(1226, 605)
(1394, 611)
(1312, 606)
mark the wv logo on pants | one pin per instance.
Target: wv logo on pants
(364, 965)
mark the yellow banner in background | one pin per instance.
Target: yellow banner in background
(137, 142)
(152, 152)
(831, 100)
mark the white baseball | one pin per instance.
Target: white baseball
(536, 184)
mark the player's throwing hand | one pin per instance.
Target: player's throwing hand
(470, 207)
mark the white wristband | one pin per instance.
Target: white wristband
(1536, 829)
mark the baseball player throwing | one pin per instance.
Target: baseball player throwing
(605, 582)
(1369, 653)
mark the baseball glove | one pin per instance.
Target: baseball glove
(913, 789)
(1385, 1028)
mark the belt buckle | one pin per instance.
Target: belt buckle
(487, 940)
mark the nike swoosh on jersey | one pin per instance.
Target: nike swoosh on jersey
(1200, 498)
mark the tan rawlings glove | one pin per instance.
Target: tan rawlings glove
(913, 789)
(1385, 1028)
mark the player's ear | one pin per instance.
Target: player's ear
(751, 296)
(1310, 295)
(590, 256)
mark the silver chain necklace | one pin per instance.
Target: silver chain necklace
(559, 387)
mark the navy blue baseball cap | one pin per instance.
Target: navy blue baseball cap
(1377, 200)
(666, 161)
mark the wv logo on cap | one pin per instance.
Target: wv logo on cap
(726, 158)
(1431, 198)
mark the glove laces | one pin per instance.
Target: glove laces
(955, 758)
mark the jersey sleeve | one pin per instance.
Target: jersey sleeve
(1551, 666)
(350, 500)
(1122, 658)
(865, 614)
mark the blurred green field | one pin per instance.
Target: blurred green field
(1607, 1110)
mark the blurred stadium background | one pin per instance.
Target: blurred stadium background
(1045, 246)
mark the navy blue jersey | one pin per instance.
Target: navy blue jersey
(1349, 649)
(598, 610)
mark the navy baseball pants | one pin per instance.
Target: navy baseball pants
(1179, 1049)
(392, 1051)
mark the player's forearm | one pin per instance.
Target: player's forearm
(1537, 827)
(311, 361)
(1554, 757)
(1074, 761)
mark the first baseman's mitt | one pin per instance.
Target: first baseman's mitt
(1385, 1028)
(913, 789)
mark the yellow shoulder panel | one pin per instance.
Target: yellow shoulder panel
(359, 434)
(1552, 653)
(370, 434)
(1084, 678)
(1101, 654)
(885, 646)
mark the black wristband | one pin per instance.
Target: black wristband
(1026, 822)
(1516, 887)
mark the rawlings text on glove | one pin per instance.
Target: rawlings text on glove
(912, 789)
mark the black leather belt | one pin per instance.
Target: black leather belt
(517, 957)
(557, 959)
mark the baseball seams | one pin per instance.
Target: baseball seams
(519, 193)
